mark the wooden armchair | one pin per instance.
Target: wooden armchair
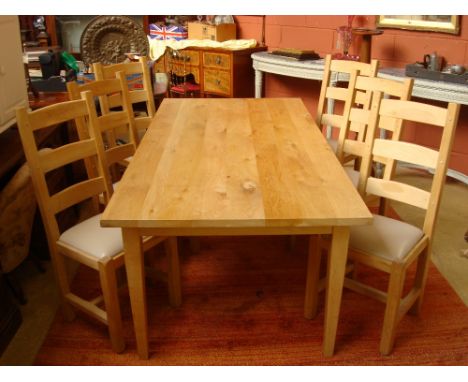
(86, 242)
(391, 245)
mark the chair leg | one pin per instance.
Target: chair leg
(61, 274)
(395, 290)
(313, 278)
(173, 271)
(420, 279)
(107, 274)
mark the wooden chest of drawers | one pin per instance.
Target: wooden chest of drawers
(219, 72)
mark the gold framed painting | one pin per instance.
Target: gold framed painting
(445, 24)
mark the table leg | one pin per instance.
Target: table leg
(336, 273)
(258, 83)
(134, 265)
(313, 278)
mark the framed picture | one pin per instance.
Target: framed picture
(445, 24)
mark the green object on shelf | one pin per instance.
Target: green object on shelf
(69, 61)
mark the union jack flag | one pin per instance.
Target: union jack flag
(174, 32)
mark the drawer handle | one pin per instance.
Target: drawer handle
(218, 60)
(218, 82)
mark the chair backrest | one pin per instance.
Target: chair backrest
(328, 92)
(41, 162)
(140, 68)
(395, 150)
(101, 124)
(356, 117)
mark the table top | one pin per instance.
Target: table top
(227, 163)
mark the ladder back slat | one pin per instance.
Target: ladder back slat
(77, 193)
(397, 191)
(72, 152)
(112, 120)
(118, 153)
(406, 152)
(337, 93)
(332, 120)
(138, 96)
(56, 114)
(414, 111)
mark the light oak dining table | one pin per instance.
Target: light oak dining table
(227, 166)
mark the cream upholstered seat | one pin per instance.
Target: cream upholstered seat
(386, 238)
(88, 236)
(86, 242)
(389, 245)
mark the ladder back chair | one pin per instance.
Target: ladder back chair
(115, 151)
(391, 245)
(353, 115)
(140, 68)
(85, 242)
(335, 70)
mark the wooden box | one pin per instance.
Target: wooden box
(221, 32)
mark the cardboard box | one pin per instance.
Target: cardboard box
(201, 31)
(162, 32)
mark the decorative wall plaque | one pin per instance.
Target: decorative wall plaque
(106, 39)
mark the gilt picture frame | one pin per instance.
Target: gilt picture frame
(444, 23)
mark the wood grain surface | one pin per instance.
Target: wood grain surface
(227, 163)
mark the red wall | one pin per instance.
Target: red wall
(394, 48)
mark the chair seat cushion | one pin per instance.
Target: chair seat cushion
(88, 236)
(353, 175)
(386, 238)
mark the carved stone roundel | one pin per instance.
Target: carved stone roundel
(106, 39)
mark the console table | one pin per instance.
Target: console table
(264, 62)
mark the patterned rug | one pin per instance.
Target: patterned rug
(243, 305)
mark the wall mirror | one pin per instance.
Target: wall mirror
(445, 24)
